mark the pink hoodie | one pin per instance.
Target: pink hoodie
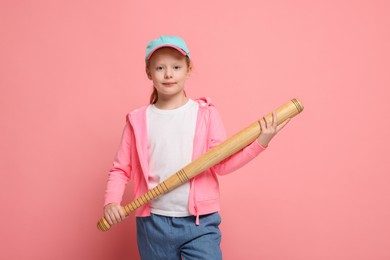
(132, 160)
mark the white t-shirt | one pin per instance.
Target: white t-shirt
(171, 136)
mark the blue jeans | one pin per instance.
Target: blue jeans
(176, 238)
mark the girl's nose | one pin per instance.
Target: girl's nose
(168, 74)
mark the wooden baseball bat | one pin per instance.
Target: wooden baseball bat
(210, 158)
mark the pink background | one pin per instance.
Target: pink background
(71, 70)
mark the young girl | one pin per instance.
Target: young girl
(161, 138)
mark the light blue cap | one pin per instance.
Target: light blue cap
(166, 41)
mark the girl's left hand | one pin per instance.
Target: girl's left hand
(269, 129)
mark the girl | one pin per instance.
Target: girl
(160, 139)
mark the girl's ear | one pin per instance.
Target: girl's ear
(147, 70)
(189, 70)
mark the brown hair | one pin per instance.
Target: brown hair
(154, 96)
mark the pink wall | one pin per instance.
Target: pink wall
(70, 70)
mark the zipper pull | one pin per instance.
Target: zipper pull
(197, 217)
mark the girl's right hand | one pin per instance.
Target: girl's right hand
(114, 213)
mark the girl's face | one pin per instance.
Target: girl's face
(169, 71)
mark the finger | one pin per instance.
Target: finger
(274, 119)
(262, 124)
(122, 213)
(113, 218)
(108, 218)
(117, 216)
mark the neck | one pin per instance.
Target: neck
(171, 102)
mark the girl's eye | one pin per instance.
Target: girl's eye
(176, 67)
(159, 68)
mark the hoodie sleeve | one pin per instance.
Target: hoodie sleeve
(217, 135)
(119, 174)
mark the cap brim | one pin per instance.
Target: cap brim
(166, 45)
